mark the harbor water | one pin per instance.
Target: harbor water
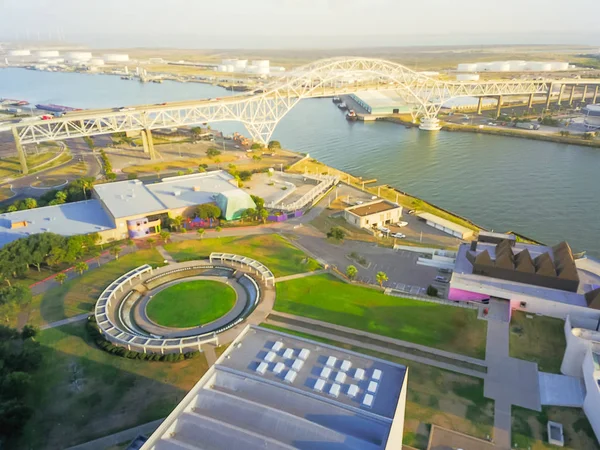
(545, 190)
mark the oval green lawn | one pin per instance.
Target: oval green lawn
(191, 303)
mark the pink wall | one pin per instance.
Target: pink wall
(465, 296)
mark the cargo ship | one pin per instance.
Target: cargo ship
(56, 108)
(12, 102)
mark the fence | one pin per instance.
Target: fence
(440, 301)
(326, 181)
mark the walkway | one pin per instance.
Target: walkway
(300, 275)
(165, 254)
(60, 323)
(117, 438)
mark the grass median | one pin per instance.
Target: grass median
(326, 298)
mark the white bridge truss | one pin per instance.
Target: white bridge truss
(261, 111)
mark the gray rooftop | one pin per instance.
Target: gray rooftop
(132, 197)
(250, 400)
(68, 219)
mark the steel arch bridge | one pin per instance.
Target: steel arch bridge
(261, 111)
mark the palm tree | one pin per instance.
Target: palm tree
(218, 229)
(96, 254)
(129, 242)
(165, 236)
(85, 186)
(114, 251)
(381, 277)
(151, 242)
(61, 277)
(176, 222)
(81, 267)
(157, 170)
(351, 272)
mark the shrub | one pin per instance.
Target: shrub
(432, 291)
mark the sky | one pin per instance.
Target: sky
(300, 23)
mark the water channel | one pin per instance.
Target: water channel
(545, 190)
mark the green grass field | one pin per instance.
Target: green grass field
(191, 303)
(324, 297)
(79, 294)
(435, 396)
(281, 257)
(81, 393)
(538, 339)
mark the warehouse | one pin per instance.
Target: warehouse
(373, 214)
(382, 102)
(446, 226)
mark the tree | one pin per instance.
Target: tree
(218, 162)
(151, 242)
(61, 277)
(114, 251)
(165, 236)
(432, 291)
(381, 277)
(129, 242)
(208, 211)
(258, 201)
(351, 272)
(212, 152)
(263, 214)
(336, 233)
(201, 232)
(30, 203)
(245, 175)
(218, 229)
(86, 185)
(61, 197)
(256, 146)
(249, 213)
(274, 145)
(196, 132)
(81, 267)
(29, 331)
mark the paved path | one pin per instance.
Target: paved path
(117, 438)
(165, 254)
(300, 275)
(60, 323)
(210, 354)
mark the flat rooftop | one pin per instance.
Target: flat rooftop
(67, 220)
(133, 197)
(277, 391)
(372, 208)
(464, 278)
(444, 222)
(381, 99)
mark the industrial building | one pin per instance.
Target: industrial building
(592, 117)
(373, 214)
(513, 66)
(446, 226)
(256, 67)
(382, 102)
(277, 391)
(130, 209)
(533, 278)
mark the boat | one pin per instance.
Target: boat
(342, 105)
(337, 100)
(157, 80)
(126, 77)
(351, 115)
(12, 102)
(56, 108)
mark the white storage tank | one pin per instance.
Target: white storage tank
(228, 62)
(516, 66)
(56, 61)
(78, 56)
(221, 68)
(557, 65)
(46, 53)
(261, 63)
(19, 52)
(96, 62)
(116, 57)
(240, 64)
(230, 68)
(277, 69)
(466, 67)
(467, 77)
(252, 69)
(484, 67)
(499, 66)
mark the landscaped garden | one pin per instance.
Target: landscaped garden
(281, 257)
(191, 303)
(326, 298)
(539, 339)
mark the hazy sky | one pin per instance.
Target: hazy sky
(300, 23)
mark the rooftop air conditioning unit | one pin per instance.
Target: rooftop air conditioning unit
(196, 188)
(176, 193)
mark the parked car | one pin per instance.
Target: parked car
(441, 279)
(384, 230)
(398, 235)
(401, 224)
(444, 270)
(412, 211)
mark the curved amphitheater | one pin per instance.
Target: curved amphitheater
(121, 308)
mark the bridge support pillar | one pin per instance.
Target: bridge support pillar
(479, 105)
(530, 102)
(560, 94)
(572, 95)
(499, 106)
(584, 95)
(21, 152)
(148, 144)
(430, 124)
(549, 96)
(595, 94)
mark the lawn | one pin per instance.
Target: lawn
(324, 297)
(529, 428)
(281, 257)
(79, 294)
(82, 393)
(191, 303)
(435, 396)
(539, 339)
(11, 167)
